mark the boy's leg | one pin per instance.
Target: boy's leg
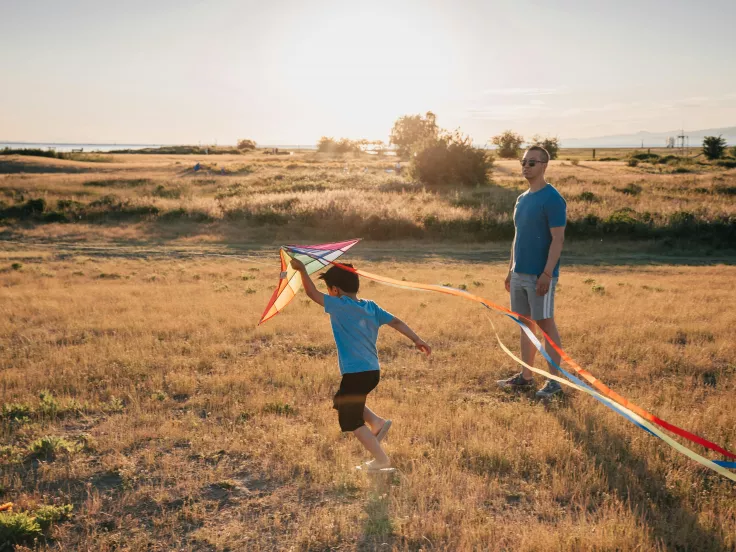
(373, 420)
(371, 444)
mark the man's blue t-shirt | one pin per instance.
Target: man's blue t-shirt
(355, 327)
(535, 213)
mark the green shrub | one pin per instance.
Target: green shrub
(508, 144)
(632, 162)
(118, 182)
(412, 133)
(630, 189)
(46, 516)
(552, 145)
(452, 160)
(590, 197)
(727, 163)
(18, 412)
(279, 408)
(49, 447)
(168, 193)
(330, 145)
(714, 147)
(35, 152)
(246, 145)
(49, 407)
(648, 157)
(18, 528)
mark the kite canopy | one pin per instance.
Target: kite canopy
(314, 257)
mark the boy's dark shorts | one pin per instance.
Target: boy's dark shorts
(349, 400)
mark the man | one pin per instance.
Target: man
(539, 219)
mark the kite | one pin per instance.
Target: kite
(316, 257)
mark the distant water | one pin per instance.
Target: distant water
(70, 147)
(111, 147)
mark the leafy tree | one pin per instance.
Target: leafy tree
(244, 144)
(552, 145)
(411, 132)
(714, 147)
(451, 159)
(343, 145)
(508, 143)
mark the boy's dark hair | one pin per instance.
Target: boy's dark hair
(540, 149)
(343, 279)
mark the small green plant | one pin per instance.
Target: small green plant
(109, 276)
(599, 289)
(590, 197)
(114, 405)
(49, 407)
(280, 409)
(16, 266)
(18, 528)
(632, 162)
(49, 447)
(630, 189)
(17, 412)
(46, 516)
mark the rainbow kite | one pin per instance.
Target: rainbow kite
(316, 257)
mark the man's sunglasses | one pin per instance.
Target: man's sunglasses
(531, 162)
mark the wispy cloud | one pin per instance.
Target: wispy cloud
(525, 91)
(506, 112)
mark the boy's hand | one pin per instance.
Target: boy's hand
(296, 264)
(423, 346)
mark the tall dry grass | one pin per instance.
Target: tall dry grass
(354, 195)
(195, 430)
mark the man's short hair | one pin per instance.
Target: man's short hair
(545, 153)
(344, 279)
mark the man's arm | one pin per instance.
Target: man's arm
(555, 250)
(309, 287)
(507, 283)
(403, 329)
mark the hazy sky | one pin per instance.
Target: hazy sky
(184, 71)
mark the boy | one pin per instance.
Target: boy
(355, 324)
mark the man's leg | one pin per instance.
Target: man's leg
(550, 328)
(528, 350)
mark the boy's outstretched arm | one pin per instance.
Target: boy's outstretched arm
(402, 328)
(308, 284)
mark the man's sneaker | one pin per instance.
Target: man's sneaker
(516, 382)
(550, 389)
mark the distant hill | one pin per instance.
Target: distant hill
(651, 139)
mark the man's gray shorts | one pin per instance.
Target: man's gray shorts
(524, 298)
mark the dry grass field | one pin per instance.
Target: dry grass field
(136, 387)
(257, 197)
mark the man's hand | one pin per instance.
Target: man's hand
(296, 264)
(507, 283)
(543, 283)
(423, 346)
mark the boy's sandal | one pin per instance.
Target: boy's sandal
(381, 435)
(368, 468)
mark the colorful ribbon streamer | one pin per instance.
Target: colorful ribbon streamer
(604, 394)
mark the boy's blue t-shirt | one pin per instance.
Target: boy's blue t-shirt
(535, 213)
(355, 327)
